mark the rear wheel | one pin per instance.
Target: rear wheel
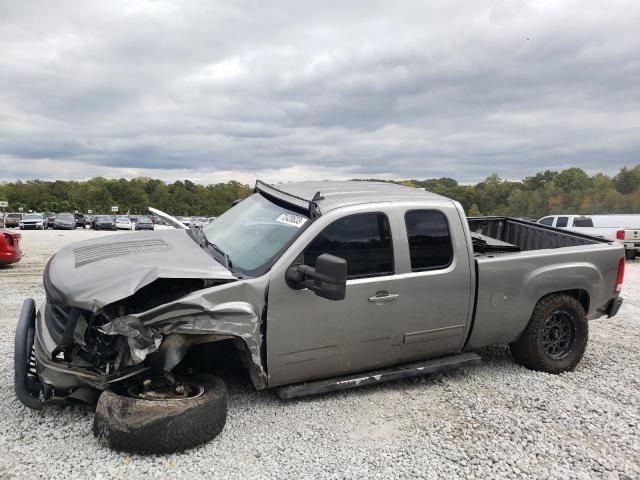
(555, 338)
(161, 418)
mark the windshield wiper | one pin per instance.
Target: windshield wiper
(204, 241)
(225, 256)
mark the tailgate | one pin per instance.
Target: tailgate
(632, 235)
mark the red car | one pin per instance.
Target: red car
(9, 247)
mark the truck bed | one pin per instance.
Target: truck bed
(523, 261)
(505, 234)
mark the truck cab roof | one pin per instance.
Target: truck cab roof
(329, 195)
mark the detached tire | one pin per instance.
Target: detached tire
(555, 338)
(132, 424)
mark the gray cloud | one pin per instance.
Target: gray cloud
(299, 89)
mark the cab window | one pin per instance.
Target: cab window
(583, 222)
(363, 240)
(546, 221)
(429, 240)
(562, 222)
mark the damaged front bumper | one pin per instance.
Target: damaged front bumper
(53, 370)
(167, 333)
(43, 377)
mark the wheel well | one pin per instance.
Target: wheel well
(225, 358)
(581, 295)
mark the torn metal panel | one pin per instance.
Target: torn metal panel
(204, 312)
(238, 319)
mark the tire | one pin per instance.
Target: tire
(131, 424)
(555, 338)
(630, 254)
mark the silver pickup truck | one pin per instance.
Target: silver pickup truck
(308, 287)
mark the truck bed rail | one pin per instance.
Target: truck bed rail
(529, 235)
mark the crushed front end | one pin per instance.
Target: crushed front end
(121, 320)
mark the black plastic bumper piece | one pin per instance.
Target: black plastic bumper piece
(614, 306)
(25, 379)
(414, 369)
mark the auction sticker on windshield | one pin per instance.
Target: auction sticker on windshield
(291, 219)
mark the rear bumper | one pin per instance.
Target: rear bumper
(12, 256)
(613, 307)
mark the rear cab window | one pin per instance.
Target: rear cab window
(429, 237)
(562, 222)
(363, 240)
(582, 222)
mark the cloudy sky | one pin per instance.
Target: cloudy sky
(295, 89)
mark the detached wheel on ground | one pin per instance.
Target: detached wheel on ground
(158, 418)
(555, 338)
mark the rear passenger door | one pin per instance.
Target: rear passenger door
(437, 285)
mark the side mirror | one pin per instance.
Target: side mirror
(328, 279)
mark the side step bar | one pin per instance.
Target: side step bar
(414, 369)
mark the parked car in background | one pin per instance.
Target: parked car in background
(34, 221)
(143, 223)
(103, 222)
(80, 221)
(199, 222)
(611, 227)
(123, 223)
(64, 221)
(9, 247)
(50, 217)
(88, 218)
(186, 221)
(12, 220)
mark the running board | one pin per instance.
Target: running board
(414, 369)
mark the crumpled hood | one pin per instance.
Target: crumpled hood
(97, 272)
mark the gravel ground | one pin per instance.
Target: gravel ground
(497, 420)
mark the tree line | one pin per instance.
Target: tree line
(567, 191)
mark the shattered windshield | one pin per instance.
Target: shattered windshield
(252, 233)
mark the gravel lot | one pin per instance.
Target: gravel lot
(497, 420)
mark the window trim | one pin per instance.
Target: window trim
(453, 253)
(359, 277)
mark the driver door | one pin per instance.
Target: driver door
(311, 337)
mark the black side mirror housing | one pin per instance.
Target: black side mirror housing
(327, 280)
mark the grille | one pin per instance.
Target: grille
(61, 322)
(94, 253)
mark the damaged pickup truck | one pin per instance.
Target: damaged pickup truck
(311, 287)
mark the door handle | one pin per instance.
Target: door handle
(384, 297)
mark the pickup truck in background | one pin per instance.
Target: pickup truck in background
(620, 228)
(309, 288)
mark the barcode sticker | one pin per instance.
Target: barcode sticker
(291, 219)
